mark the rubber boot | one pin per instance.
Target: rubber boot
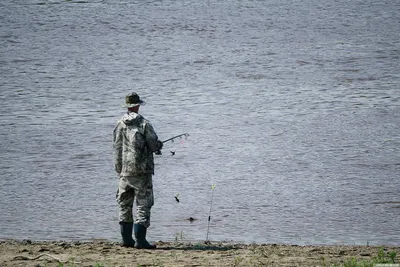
(140, 234)
(126, 233)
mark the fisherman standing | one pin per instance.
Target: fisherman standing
(135, 141)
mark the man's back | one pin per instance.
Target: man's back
(134, 143)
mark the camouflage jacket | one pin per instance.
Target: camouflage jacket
(134, 144)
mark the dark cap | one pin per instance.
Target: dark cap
(133, 100)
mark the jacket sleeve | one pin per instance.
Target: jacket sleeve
(151, 138)
(117, 147)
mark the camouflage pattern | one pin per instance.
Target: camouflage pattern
(141, 188)
(133, 100)
(134, 143)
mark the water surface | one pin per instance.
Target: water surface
(292, 109)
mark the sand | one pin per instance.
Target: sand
(106, 253)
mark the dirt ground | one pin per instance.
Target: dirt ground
(104, 253)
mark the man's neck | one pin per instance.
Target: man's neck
(134, 109)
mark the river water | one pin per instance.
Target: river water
(292, 109)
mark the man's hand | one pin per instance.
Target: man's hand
(160, 146)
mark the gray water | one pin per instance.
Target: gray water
(292, 109)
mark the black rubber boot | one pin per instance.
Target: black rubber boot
(140, 234)
(126, 233)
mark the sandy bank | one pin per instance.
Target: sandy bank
(105, 253)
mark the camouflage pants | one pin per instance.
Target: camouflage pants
(139, 188)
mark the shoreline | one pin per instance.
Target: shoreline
(107, 253)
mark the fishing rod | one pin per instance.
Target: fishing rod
(179, 135)
(172, 139)
(209, 214)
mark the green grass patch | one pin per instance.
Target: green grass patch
(383, 257)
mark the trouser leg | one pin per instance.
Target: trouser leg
(125, 198)
(144, 201)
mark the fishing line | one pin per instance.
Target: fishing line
(173, 152)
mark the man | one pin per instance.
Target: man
(134, 143)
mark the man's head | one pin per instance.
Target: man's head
(133, 101)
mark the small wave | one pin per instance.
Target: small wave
(385, 202)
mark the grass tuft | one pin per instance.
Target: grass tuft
(382, 258)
